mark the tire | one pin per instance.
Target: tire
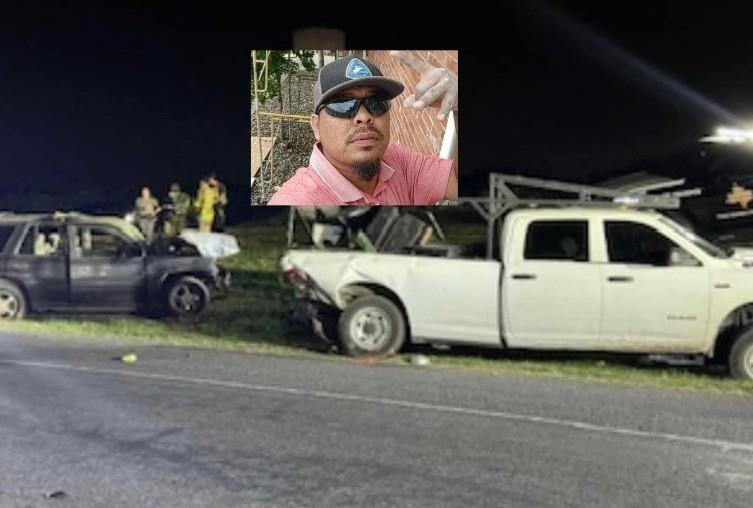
(371, 326)
(186, 297)
(741, 356)
(12, 301)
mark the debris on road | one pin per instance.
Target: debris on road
(129, 358)
(58, 494)
(419, 360)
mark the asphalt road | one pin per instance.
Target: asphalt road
(189, 428)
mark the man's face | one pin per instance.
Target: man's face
(358, 142)
(145, 192)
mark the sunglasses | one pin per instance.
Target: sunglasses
(347, 107)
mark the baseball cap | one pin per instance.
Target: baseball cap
(349, 72)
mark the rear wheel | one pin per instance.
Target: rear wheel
(741, 356)
(371, 326)
(186, 297)
(12, 301)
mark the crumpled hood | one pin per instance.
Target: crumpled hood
(191, 243)
(212, 245)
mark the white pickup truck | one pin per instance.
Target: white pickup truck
(587, 279)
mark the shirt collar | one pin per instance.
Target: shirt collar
(341, 186)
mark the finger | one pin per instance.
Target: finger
(434, 93)
(427, 83)
(413, 62)
(409, 101)
(449, 102)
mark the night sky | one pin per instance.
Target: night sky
(110, 98)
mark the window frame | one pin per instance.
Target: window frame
(668, 240)
(579, 222)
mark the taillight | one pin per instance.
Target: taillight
(296, 276)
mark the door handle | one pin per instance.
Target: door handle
(618, 278)
(523, 276)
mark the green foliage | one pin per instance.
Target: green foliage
(281, 63)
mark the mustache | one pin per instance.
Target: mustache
(366, 130)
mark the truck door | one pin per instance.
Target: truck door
(656, 294)
(40, 264)
(107, 270)
(551, 288)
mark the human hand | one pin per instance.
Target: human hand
(438, 87)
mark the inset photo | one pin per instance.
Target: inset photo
(354, 127)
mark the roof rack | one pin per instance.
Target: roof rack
(502, 198)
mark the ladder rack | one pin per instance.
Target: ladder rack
(502, 197)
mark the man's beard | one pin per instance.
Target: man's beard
(367, 169)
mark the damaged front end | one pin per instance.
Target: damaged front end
(311, 306)
(344, 233)
(178, 254)
(221, 284)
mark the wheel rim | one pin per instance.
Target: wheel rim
(371, 328)
(187, 298)
(748, 363)
(9, 305)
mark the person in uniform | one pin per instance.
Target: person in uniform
(147, 208)
(205, 202)
(180, 203)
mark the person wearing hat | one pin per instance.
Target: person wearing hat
(353, 161)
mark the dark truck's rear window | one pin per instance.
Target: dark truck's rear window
(5, 234)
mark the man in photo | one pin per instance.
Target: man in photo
(353, 161)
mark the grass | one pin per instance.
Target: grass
(253, 319)
(625, 370)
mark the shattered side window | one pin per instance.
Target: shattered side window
(44, 240)
(98, 242)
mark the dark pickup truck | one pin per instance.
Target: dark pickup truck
(84, 263)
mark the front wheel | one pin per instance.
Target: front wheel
(741, 356)
(186, 297)
(371, 326)
(12, 301)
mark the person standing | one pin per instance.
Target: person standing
(219, 207)
(147, 208)
(205, 204)
(180, 203)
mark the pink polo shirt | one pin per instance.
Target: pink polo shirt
(405, 178)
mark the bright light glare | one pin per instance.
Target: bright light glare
(729, 135)
(627, 200)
